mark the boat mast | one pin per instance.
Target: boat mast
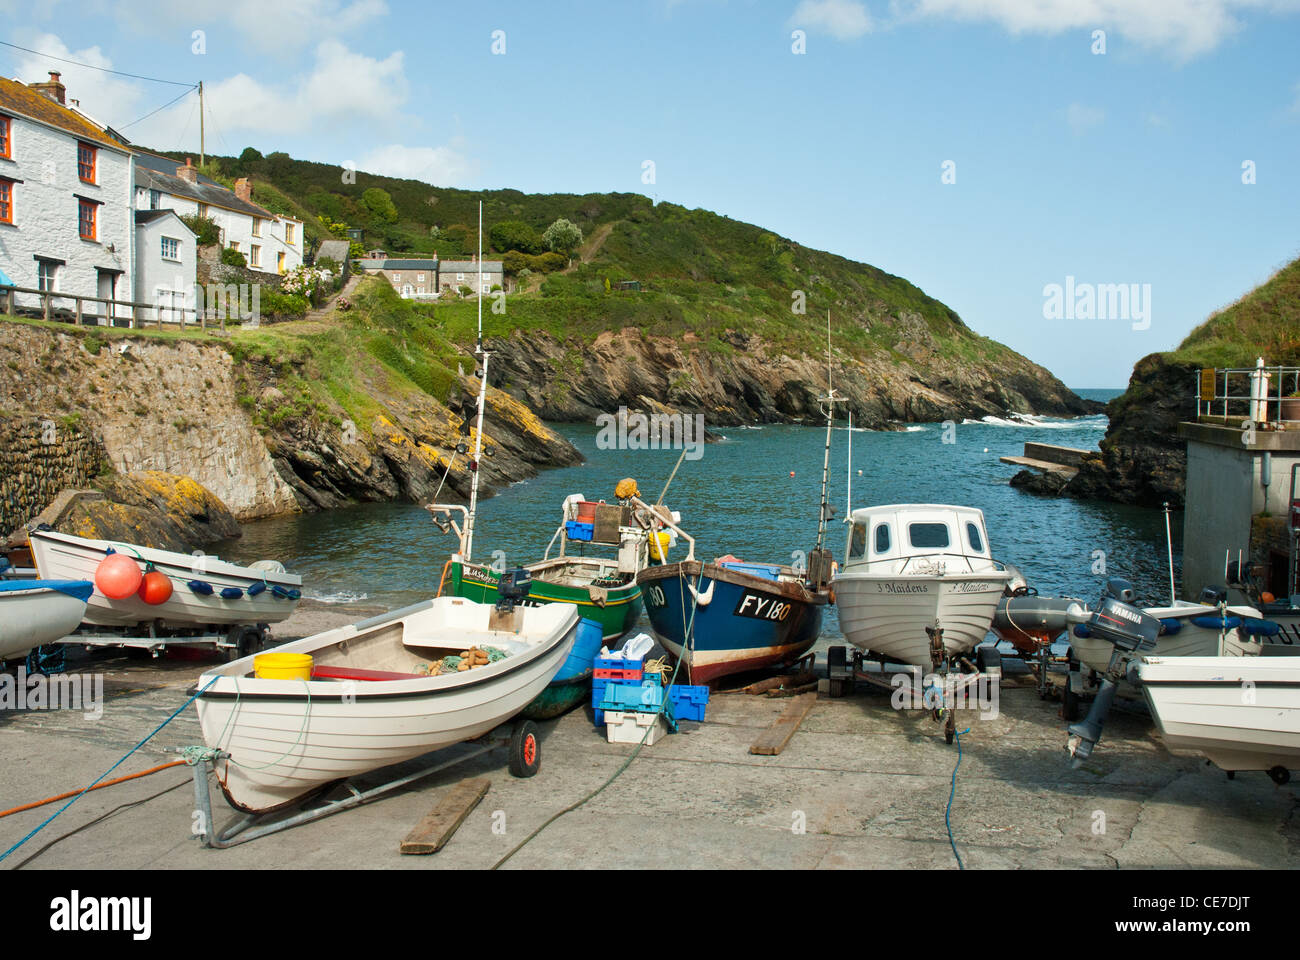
(829, 402)
(468, 544)
(848, 480)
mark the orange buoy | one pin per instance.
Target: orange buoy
(117, 576)
(1266, 597)
(155, 588)
(792, 473)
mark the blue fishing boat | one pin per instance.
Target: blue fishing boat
(730, 616)
(572, 685)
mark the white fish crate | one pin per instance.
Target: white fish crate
(630, 726)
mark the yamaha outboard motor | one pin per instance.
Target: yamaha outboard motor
(513, 588)
(1127, 627)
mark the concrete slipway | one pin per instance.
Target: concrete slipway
(870, 783)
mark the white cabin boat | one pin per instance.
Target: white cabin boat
(371, 702)
(1243, 713)
(262, 593)
(912, 566)
(36, 612)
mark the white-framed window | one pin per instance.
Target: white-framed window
(487, 288)
(420, 278)
(47, 275)
(397, 278)
(288, 233)
(254, 255)
(257, 226)
(419, 290)
(171, 248)
(460, 277)
(155, 197)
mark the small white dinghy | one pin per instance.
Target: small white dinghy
(371, 701)
(1243, 713)
(36, 612)
(206, 591)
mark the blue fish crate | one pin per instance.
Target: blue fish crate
(643, 697)
(688, 701)
(577, 530)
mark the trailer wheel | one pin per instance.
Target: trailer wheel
(1281, 776)
(244, 640)
(986, 658)
(525, 750)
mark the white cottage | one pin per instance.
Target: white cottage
(166, 264)
(269, 242)
(66, 217)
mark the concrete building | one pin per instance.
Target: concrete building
(66, 219)
(271, 243)
(166, 261)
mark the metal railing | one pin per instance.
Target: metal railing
(1260, 394)
(133, 314)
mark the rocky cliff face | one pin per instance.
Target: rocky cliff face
(186, 407)
(755, 382)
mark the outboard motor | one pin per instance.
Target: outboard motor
(513, 588)
(1213, 596)
(1129, 629)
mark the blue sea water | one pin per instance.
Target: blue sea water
(739, 498)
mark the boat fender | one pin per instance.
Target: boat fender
(705, 598)
(155, 588)
(279, 592)
(231, 593)
(117, 576)
(1169, 626)
(200, 588)
(1217, 623)
(255, 589)
(1260, 628)
(1081, 631)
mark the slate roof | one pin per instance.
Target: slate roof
(334, 249)
(21, 100)
(159, 173)
(469, 266)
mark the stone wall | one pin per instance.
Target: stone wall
(42, 456)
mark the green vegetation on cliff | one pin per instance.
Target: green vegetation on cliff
(1264, 323)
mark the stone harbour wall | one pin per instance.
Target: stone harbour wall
(39, 458)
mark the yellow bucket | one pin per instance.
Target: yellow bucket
(659, 541)
(282, 666)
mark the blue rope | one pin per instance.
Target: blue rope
(947, 816)
(108, 771)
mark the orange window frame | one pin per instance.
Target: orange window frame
(87, 161)
(6, 137)
(87, 220)
(6, 201)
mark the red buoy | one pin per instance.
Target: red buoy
(117, 576)
(155, 588)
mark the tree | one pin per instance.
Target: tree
(514, 235)
(206, 231)
(562, 237)
(380, 204)
(250, 155)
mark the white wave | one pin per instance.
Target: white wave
(343, 596)
(915, 429)
(1032, 422)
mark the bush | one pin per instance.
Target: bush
(282, 306)
(563, 237)
(206, 231)
(233, 257)
(515, 235)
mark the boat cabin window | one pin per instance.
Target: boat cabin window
(928, 535)
(858, 541)
(973, 535)
(882, 538)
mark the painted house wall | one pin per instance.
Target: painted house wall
(45, 215)
(237, 230)
(167, 282)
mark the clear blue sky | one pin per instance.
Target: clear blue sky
(1124, 167)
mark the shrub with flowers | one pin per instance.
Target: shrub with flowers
(343, 303)
(310, 282)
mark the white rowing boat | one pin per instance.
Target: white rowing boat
(370, 702)
(206, 591)
(36, 612)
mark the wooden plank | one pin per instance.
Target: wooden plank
(439, 825)
(774, 739)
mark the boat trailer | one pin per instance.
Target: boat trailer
(957, 685)
(521, 741)
(235, 640)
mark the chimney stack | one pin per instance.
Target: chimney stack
(189, 172)
(244, 189)
(53, 88)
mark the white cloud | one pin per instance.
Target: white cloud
(1083, 118)
(842, 19)
(1185, 28)
(445, 166)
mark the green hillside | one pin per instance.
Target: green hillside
(1265, 322)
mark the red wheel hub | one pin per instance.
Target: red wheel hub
(530, 749)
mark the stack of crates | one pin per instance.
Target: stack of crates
(622, 689)
(616, 671)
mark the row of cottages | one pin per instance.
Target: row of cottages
(83, 213)
(416, 279)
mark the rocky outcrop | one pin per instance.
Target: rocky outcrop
(754, 381)
(1142, 460)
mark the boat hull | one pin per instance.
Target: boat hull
(1189, 641)
(36, 612)
(289, 738)
(63, 556)
(1243, 713)
(616, 611)
(731, 634)
(572, 684)
(887, 614)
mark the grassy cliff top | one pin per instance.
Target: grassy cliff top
(1265, 322)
